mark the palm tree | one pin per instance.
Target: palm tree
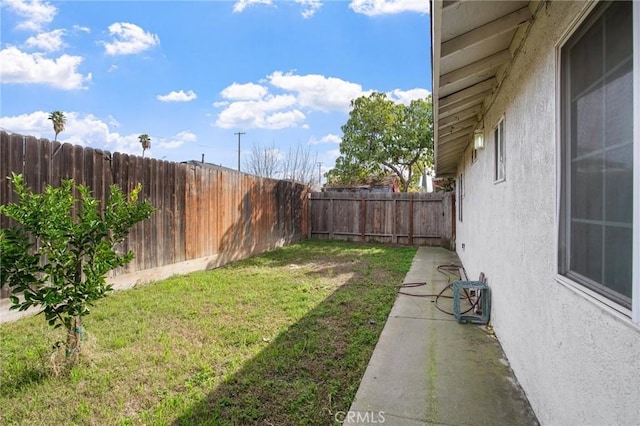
(58, 119)
(145, 141)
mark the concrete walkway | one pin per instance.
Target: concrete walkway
(429, 370)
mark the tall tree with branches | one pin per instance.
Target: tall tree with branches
(263, 161)
(59, 120)
(299, 165)
(145, 142)
(382, 136)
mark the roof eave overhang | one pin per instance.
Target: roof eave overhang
(472, 46)
(436, 22)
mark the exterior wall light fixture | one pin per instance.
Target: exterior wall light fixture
(478, 139)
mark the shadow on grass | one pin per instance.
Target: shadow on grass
(23, 377)
(311, 370)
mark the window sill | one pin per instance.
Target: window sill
(499, 181)
(616, 311)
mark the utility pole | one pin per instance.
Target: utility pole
(239, 134)
(319, 163)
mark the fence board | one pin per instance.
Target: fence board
(180, 194)
(399, 218)
(168, 211)
(201, 210)
(55, 163)
(16, 157)
(4, 173)
(32, 163)
(45, 168)
(136, 235)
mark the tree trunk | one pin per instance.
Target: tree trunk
(75, 331)
(75, 336)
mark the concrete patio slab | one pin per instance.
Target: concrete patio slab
(429, 370)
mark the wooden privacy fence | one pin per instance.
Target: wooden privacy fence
(201, 210)
(398, 218)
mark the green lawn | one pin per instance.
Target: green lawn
(281, 339)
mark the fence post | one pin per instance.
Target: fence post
(411, 219)
(363, 218)
(330, 221)
(309, 208)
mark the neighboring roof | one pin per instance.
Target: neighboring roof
(473, 44)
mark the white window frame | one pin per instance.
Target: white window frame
(635, 295)
(499, 154)
(460, 186)
(600, 300)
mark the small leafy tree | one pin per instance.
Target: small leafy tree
(60, 254)
(145, 142)
(59, 120)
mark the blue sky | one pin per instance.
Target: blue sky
(192, 73)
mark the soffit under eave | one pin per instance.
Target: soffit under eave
(466, 65)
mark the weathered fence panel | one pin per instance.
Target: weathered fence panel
(397, 218)
(202, 211)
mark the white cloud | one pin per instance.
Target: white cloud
(178, 140)
(80, 129)
(171, 144)
(252, 105)
(309, 7)
(112, 121)
(330, 138)
(187, 136)
(129, 39)
(240, 5)
(281, 120)
(180, 96)
(25, 68)
(82, 29)
(244, 92)
(266, 113)
(317, 91)
(388, 7)
(49, 42)
(88, 130)
(406, 96)
(35, 124)
(36, 13)
(112, 68)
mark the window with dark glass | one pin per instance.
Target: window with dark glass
(597, 153)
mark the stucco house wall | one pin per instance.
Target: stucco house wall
(577, 359)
